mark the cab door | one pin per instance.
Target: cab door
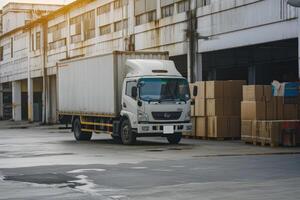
(129, 103)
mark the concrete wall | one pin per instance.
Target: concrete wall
(228, 23)
(18, 14)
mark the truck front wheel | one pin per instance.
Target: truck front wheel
(78, 134)
(175, 138)
(127, 136)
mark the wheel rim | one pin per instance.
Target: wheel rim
(126, 132)
(77, 130)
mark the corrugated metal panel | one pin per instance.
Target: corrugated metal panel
(139, 7)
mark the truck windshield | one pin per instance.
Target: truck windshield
(163, 89)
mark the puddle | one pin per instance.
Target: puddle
(47, 179)
(175, 149)
(155, 150)
(77, 171)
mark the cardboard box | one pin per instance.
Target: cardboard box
(271, 108)
(232, 107)
(268, 92)
(270, 132)
(192, 110)
(274, 129)
(193, 132)
(290, 111)
(246, 130)
(201, 85)
(215, 107)
(253, 93)
(255, 130)
(214, 89)
(200, 107)
(279, 107)
(218, 127)
(262, 133)
(235, 127)
(233, 89)
(253, 110)
(201, 130)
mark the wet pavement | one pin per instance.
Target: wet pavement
(46, 163)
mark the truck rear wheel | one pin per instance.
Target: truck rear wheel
(78, 134)
(127, 136)
(175, 138)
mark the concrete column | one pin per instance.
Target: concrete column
(16, 101)
(1, 101)
(252, 75)
(48, 100)
(199, 68)
(52, 99)
(298, 42)
(30, 99)
(158, 10)
(131, 17)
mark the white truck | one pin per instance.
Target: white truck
(125, 94)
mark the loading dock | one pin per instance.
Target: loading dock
(259, 64)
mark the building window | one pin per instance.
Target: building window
(118, 4)
(103, 9)
(202, 3)
(12, 47)
(38, 40)
(183, 6)
(167, 11)
(105, 29)
(1, 53)
(56, 30)
(120, 25)
(89, 25)
(57, 44)
(145, 18)
(75, 29)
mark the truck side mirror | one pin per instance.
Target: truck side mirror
(134, 92)
(195, 91)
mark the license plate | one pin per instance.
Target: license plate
(168, 129)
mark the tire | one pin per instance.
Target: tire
(117, 139)
(175, 138)
(78, 134)
(127, 136)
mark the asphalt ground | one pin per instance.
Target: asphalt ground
(45, 162)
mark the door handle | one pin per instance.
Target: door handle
(124, 105)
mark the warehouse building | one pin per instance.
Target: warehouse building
(254, 40)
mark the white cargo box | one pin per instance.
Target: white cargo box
(93, 85)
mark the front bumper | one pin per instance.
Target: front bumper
(144, 129)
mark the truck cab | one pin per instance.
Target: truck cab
(155, 101)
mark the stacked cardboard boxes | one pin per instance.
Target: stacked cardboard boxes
(263, 114)
(217, 108)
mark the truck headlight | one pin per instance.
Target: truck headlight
(187, 116)
(142, 116)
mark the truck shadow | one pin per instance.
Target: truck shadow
(141, 143)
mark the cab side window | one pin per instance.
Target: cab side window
(129, 86)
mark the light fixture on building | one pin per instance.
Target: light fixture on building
(295, 3)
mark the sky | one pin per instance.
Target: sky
(4, 2)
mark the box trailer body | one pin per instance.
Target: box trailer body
(97, 81)
(94, 95)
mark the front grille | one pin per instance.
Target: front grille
(166, 115)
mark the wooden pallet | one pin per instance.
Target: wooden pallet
(262, 143)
